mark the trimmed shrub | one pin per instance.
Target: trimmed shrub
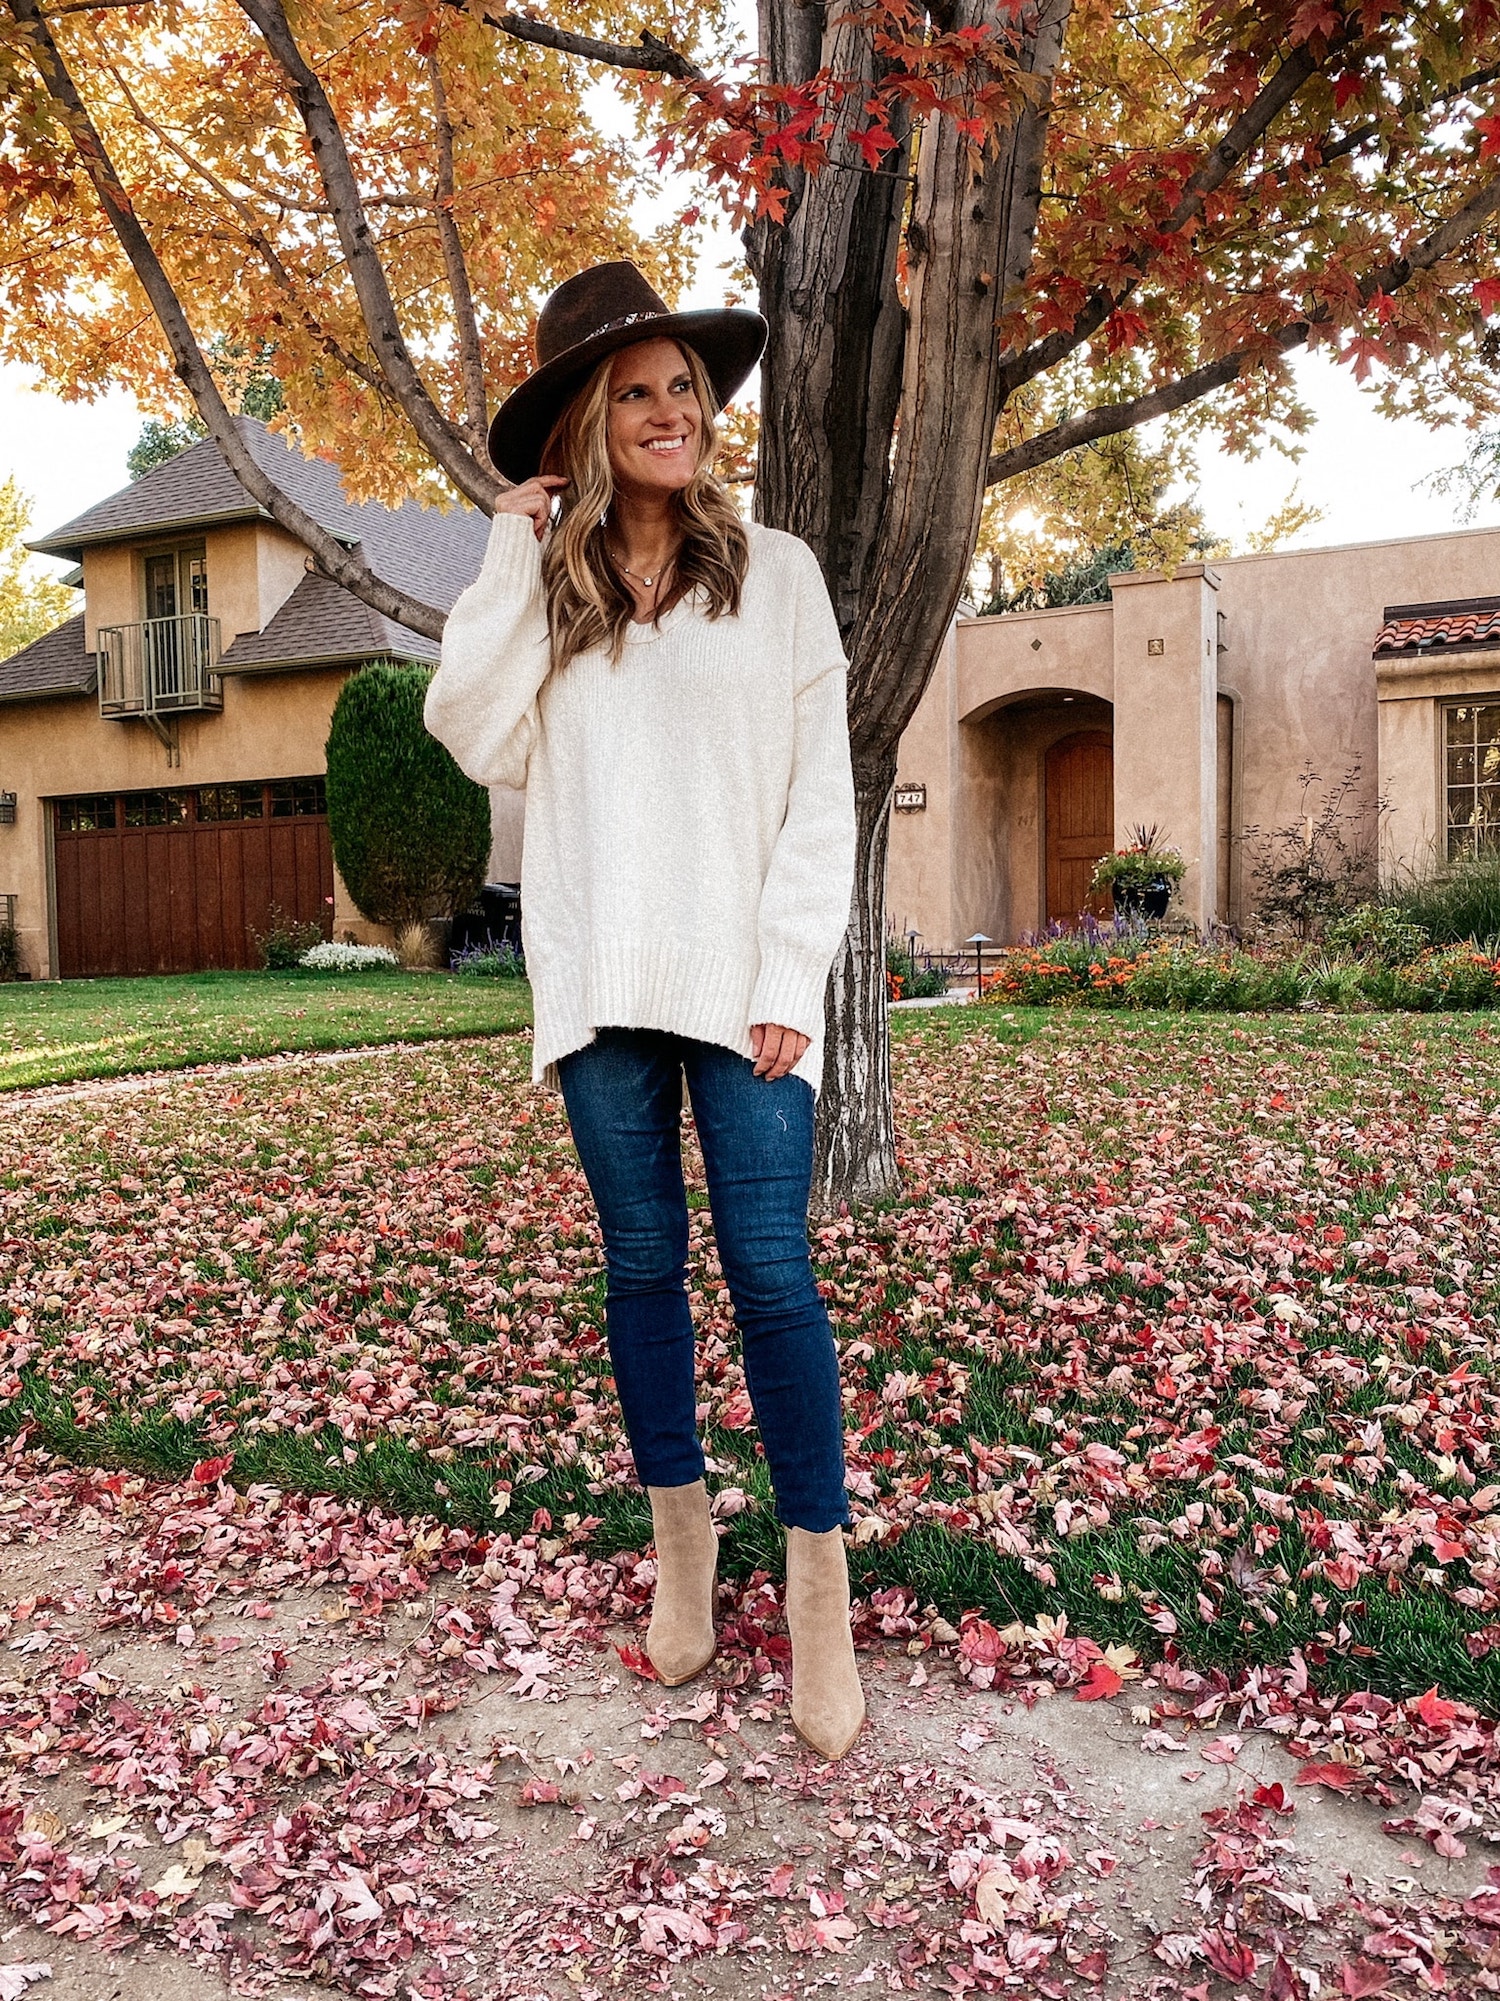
(411, 834)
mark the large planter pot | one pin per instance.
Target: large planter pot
(1143, 899)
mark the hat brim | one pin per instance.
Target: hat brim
(728, 340)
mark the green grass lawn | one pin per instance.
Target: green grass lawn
(53, 1032)
(1182, 1326)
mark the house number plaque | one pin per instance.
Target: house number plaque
(911, 798)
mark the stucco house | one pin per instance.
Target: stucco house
(162, 754)
(1194, 702)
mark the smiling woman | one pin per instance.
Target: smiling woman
(669, 685)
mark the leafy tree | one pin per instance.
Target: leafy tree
(32, 601)
(260, 395)
(161, 439)
(984, 234)
(411, 834)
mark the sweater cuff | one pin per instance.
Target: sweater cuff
(512, 557)
(789, 992)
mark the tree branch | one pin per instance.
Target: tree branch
(1247, 130)
(1109, 419)
(441, 438)
(332, 558)
(1362, 134)
(361, 370)
(647, 54)
(466, 320)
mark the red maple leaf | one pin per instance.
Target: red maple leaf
(1433, 1710)
(638, 1661)
(1359, 1977)
(1102, 1681)
(208, 1471)
(1487, 295)
(1339, 1777)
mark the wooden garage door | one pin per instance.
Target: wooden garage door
(1080, 787)
(177, 882)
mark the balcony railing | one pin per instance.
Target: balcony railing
(160, 667)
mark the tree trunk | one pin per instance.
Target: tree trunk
(878, 421)
(856, 1148)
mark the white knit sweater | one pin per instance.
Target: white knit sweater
(689, 844)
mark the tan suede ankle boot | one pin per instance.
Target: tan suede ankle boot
(680, 1638)
(828, 1704)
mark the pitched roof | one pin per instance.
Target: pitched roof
(55, 664)
(323, 621)
(428, 551)
(1427, 628)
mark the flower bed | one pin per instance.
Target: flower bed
(1101, 969)
(330, 957)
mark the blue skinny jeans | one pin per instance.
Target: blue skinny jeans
(624, 1098)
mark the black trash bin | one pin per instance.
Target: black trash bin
(494, 920)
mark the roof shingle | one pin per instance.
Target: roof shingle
(55, 664)
(1425, 628)
(322, 621)
(429, 547)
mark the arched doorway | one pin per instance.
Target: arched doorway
(1079, 786)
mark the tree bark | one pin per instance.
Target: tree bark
(876, 430)
(855, 1158)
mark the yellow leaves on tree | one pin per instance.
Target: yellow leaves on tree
(32, 601)
(468, 148)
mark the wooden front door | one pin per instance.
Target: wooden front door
(180, 881)
(1080, 792)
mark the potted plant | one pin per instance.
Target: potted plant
(1140, 878)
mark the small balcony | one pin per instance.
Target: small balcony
(160, 668)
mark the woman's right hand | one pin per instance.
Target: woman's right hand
(533, 498)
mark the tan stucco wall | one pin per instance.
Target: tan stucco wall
(253, 568)
(1166, 722)
(1288, 635)
(111, 591)
(271, 726)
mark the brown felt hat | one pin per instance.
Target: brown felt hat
(607, 307)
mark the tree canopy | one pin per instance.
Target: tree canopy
(32, 600)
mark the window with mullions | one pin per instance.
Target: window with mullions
(92, 813)
(291, 796)
(231, 802)
(1473, 777)
(155, 809)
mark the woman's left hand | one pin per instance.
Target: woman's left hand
(775, 1049)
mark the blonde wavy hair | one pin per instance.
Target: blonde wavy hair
(588, 600)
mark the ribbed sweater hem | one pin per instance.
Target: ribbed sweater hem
(681, 989)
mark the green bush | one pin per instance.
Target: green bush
(1380, 931)
(1457, 903)
(284, 940)
(411, 834)
(908, 980)
(10, 952)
